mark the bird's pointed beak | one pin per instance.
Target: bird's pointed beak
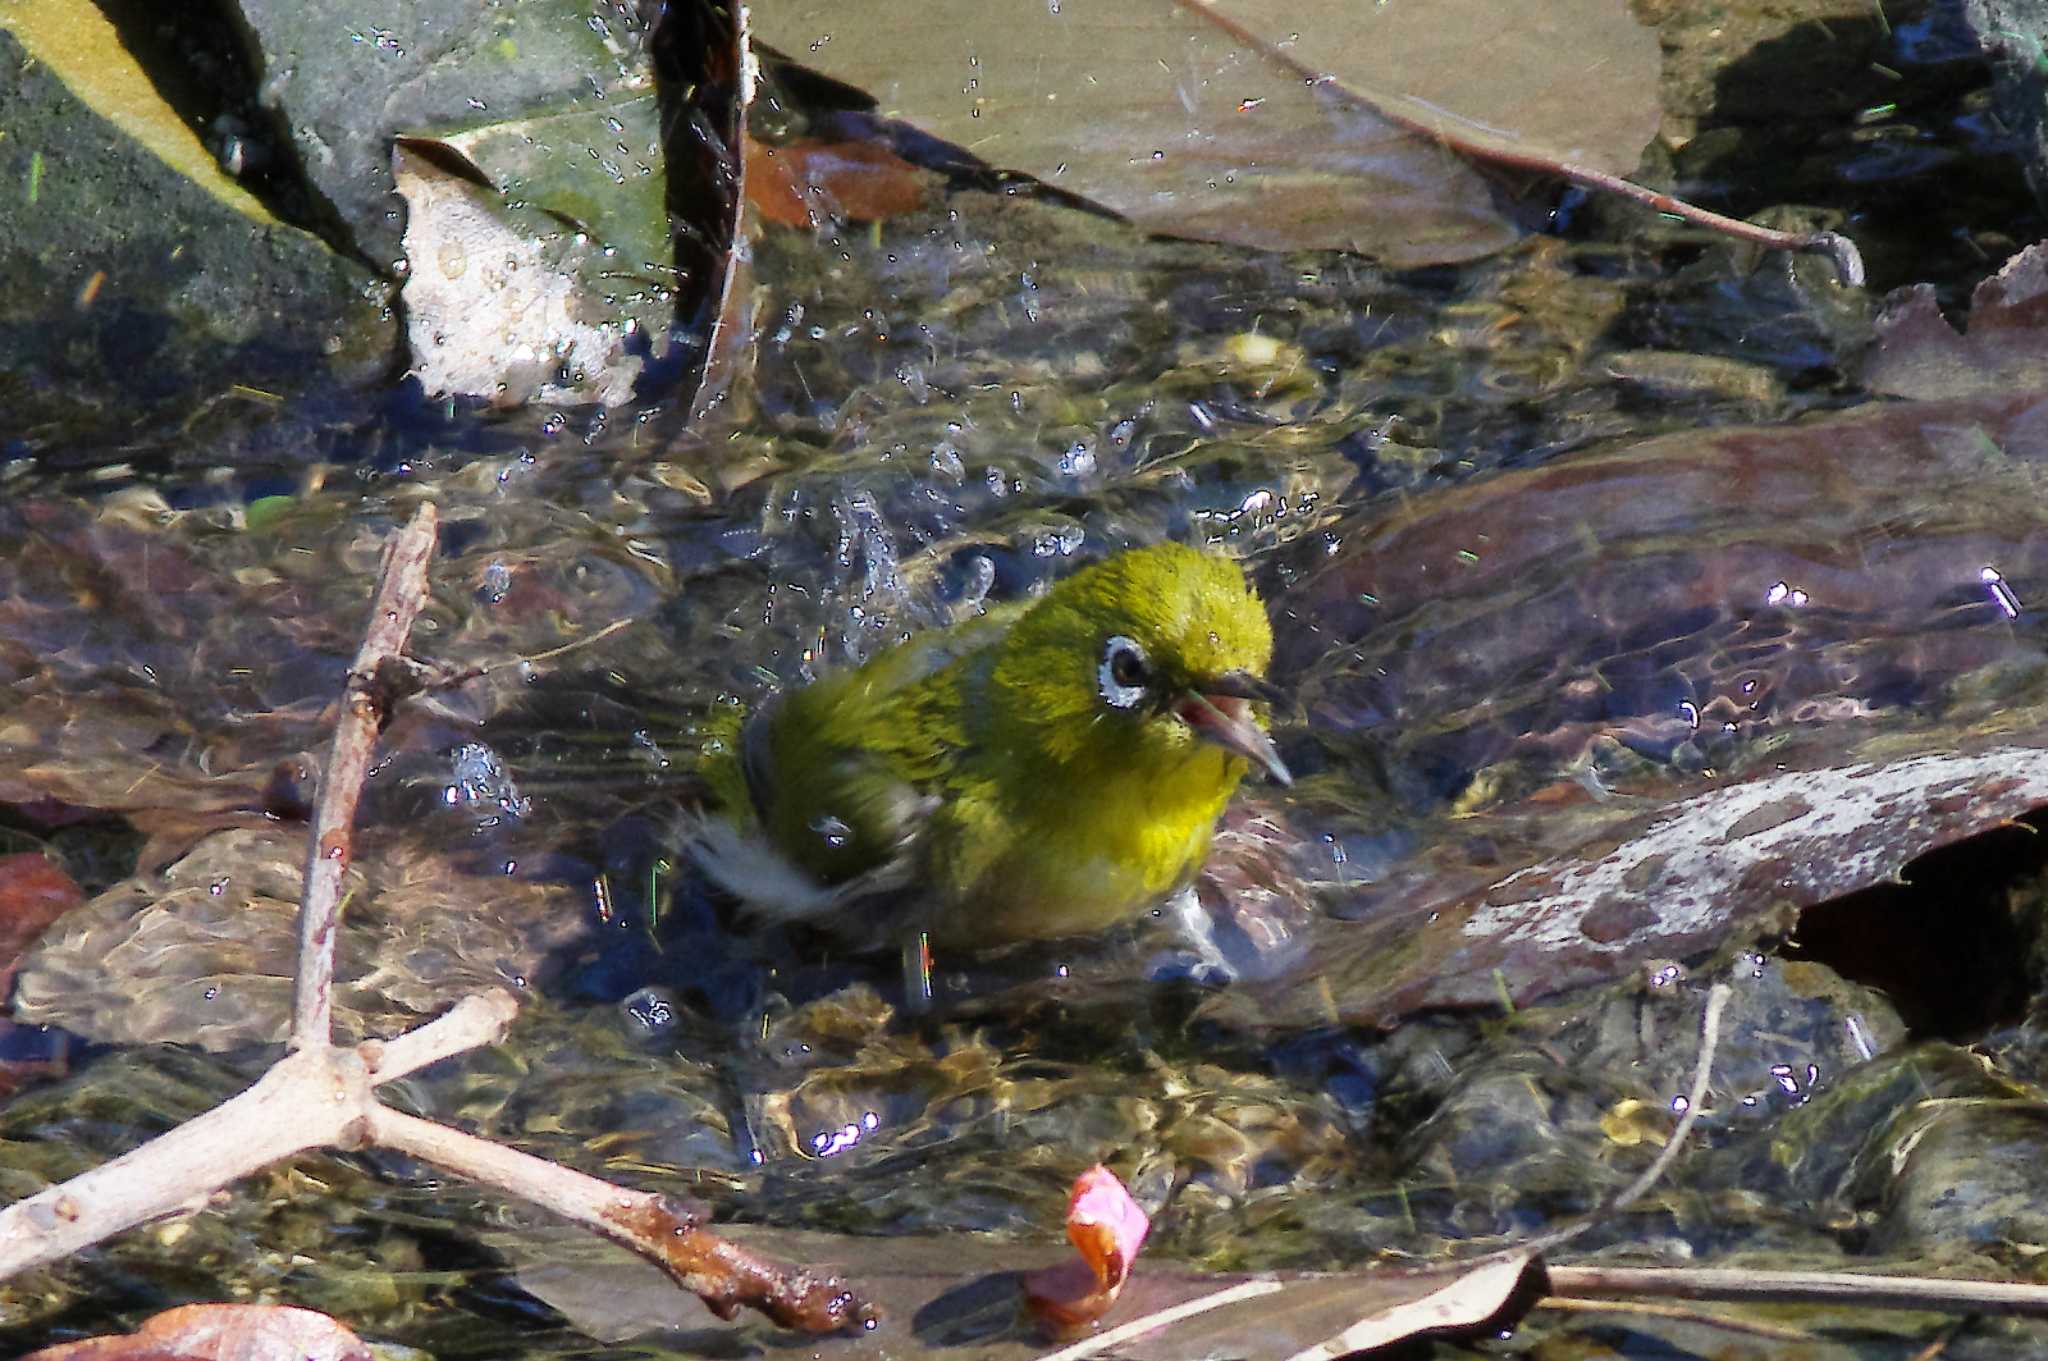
(1220, 712)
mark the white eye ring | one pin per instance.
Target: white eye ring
(1124, 674)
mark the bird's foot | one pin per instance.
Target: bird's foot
(1200, 957)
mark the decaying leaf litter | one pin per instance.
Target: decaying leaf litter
(1209, 415)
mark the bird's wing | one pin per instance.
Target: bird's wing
(834, 829)
(773, 888)
(923, 655)
(756, 761)
(845, 777)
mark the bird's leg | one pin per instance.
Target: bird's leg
(1202, 957)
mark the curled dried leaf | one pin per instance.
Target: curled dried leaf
(1106, 1227)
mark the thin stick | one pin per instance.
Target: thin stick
(330, 847)
(309, 1099)
(1138, 1327)
(475, 1021)
(279, 1116)
(1940, 1342)
(319, 1095)
(719, 1272)
(1695, 1099)
(1777, 1332)
(1802, 1287)
(1838, 248)
(448, 680)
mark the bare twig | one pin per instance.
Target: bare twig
(449, 680)
(1806, 1287)
(732, 325)
(319, 1095)
(1695, 1099)
(1939, 1344)
(400, 597)
(719, 1272)
(1801, 1287)
(1777, 1332)
(472, 1023)
(309, 1099)
(1153, 1322)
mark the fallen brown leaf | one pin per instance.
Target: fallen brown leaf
(221, 1332)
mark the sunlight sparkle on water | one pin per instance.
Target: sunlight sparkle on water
(1783, 593)
(2001, 594)
(827, 1143)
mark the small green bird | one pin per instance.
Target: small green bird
(1046, 769)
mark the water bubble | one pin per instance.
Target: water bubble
(2001, 594)
(1078, 459)
(480, 782)
(651, 1013)
(495, 583)
(981, 578)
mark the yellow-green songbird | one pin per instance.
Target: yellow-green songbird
(1048, 768)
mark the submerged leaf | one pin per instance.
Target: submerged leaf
(954, 1295)
(499, 302)
(221, 1332)
(1272, 135)
(1638, 701)
(803, 181)
(341, 81)
(34, 891)
(1919, 354)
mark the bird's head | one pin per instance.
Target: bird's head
(1148, 661)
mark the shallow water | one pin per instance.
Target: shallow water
(960, 407)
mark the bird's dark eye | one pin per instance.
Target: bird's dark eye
(1124, 673)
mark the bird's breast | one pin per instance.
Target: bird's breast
(1078, 865)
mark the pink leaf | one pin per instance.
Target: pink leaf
(1107, 1228)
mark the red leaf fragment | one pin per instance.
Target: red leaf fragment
(33, 893)
(800, 183)
(1107, 1228)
